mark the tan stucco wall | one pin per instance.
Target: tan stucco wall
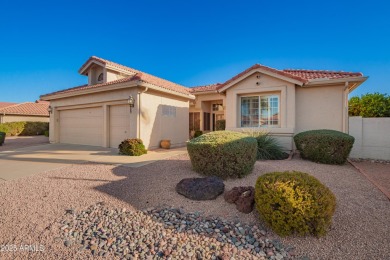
(112, 75)
(322, 107)
(16, 118)
(268, 85)
(156, 127)
(371, 137)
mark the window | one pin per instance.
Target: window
(194, 121)
(100, 78)
(169, 111)
(206, 121)
(217, 107)
(260, 111)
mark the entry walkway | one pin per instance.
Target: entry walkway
(35, 159)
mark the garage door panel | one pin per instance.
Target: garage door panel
(119, 124)
(82, 126)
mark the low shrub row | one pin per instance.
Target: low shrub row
(24, 128)
(132, 147)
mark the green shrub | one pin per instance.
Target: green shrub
(294, 203)
(223, 153)
(132, 147)
(268, 147)
(2, 138)
(324, 146)
(46, 133)
(197, 133)
(24, 128)
(220, 125)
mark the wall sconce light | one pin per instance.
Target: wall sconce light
(131, 102)
(50, 110)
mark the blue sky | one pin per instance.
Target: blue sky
(43, 43)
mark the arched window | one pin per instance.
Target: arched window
(100, 78)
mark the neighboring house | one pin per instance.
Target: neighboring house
(28, 111)
(283, 102)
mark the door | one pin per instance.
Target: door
(82, 126)
(119, 124)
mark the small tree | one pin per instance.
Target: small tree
(370, 105)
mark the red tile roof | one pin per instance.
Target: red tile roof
(148, 78)
(320, 74)
(27, 108)
(206, 88)
(303, 76)
(6, 104)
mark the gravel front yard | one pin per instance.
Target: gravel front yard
(31, 208)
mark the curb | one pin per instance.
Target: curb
(383, 190)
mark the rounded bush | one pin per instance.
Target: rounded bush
(132, 147)
(223, 153)
(324, 146)
(294, 203)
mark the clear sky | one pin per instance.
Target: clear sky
(44, 43)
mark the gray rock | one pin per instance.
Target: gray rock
(208, 188)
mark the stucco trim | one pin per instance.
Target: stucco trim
(259, 70)
(327, 81)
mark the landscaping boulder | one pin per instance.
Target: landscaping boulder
(208, 188)
(243, 197)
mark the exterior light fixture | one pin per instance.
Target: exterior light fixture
(50, 110)
(131, 102)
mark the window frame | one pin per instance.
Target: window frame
(259, 96)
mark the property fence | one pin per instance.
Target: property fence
(372, 137)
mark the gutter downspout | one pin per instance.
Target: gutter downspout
(345, 114)
(139, 110)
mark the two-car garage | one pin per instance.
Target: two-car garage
(87, 125)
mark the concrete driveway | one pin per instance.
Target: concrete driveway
(35, 159)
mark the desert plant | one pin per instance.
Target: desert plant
(223, 154)
(294, 203)
(24, 128)
(268, 147)
(132, 147)
(197, 133)
(324, 146)
(220, 125)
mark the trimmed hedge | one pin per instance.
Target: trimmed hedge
(223, 153)
(294, 203)
(132, 147)
(324, 146)
(220, 125)
(24, 128)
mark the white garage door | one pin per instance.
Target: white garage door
(119, 124)
(82, 126)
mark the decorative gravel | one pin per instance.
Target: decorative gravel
(31, 207)
(165, 233)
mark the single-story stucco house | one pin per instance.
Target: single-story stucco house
(282, 102)
(28, 111)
